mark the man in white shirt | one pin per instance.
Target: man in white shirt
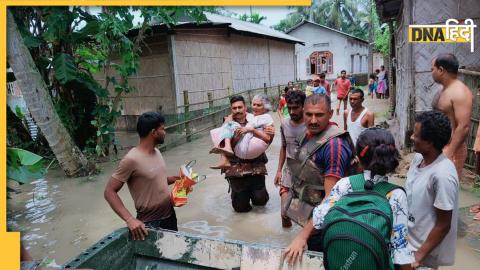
(358, 118)
(432, 193)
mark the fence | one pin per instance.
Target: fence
(195, 119)
(472, 80)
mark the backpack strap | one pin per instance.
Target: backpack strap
(383, 188)
(357, 182)
(315, 143)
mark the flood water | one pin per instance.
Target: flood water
(60, 217)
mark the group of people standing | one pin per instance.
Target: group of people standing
(320, 167)
(378, 84)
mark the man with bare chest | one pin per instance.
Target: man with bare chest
(455, 100)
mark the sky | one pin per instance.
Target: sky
(274, 14)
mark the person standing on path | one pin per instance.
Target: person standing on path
(343, 86)
(358, 118)
(455, 100)
(317, 87)
(324, 83)
(246, 177)
(290, 129)
(144, 171)
(432, 192)
(382, 87)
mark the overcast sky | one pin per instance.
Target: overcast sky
(273, 14)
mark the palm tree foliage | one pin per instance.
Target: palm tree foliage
(350, 16)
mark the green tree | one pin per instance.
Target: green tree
(289, 22)
(69, 48)
(253, 18)
(41, 106)
(349, 16)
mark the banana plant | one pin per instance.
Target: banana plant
(24, 167)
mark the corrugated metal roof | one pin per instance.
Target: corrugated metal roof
(252, 28)
(326, 27)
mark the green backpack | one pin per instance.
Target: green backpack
(357, 229)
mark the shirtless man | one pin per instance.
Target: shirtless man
(455, 100)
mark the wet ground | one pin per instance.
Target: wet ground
(60, 217)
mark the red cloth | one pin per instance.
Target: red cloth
(282, 103)
(343, 86)
(283, 189)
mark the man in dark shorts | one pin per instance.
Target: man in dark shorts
(246, 177)
(144, 171)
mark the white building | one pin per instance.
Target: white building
(327, 50)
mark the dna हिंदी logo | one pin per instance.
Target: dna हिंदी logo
(451, 31)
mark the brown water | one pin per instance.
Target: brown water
(60, 217)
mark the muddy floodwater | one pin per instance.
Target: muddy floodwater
(60, 217)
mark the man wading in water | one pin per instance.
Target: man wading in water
(144, 171)
(246, 177)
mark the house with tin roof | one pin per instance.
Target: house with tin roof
(327, 50)
(220, 56)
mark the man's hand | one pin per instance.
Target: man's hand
(418, 259)
(278, 178)
(270, 130)
(295, 250)
(243, 130)
(137, 228)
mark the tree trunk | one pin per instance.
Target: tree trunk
(370, 39)
(40, 105)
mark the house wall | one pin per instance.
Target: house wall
(415, 86)
(203, 63)
(282, 62)
(321, 39)
(377, 61)
(218, 62)
(153, 83)
(258, 61)
(250, 62)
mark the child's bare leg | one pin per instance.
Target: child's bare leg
(228, 145)
(225, 147)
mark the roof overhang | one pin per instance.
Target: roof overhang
(389, 10)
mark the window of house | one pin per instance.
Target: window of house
(319, 62)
